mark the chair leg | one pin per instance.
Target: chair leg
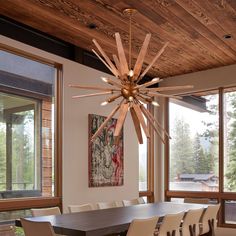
(211, 227)
(192, 230)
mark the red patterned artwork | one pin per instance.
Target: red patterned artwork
(106, 163)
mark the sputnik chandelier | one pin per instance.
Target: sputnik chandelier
(127, 87)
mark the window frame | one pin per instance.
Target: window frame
(220, 196)
(56, 200)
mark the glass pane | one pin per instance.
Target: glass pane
(230, 212)
(194, 147)
(230, 141)
(19, 160)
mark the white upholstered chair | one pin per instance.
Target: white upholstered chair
(209, 219)
(190, 225)
(106, 205)
(142, 227)
(32, 228)
(80, 208)
(132, 202)
(171, 225)
(46, 211)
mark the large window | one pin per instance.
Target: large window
(202, 151)
(29, 132)
(194, 152)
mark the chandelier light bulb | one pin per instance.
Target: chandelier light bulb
(104, 79)
(131, 98)
(131, 73)
(156, 104)
(104, 103)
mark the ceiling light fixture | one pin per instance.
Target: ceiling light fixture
(126, 86)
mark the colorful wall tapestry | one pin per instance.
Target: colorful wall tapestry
(106, 164)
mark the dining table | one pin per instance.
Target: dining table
(110, 221)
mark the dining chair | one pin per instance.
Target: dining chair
(170, 225)
(80, 208)
(208, 221)
(106, 205)
(7, 230)
(32, 228)
(190, 225)
(141, 227)
(45, 211)
(134, 201)
(197, 200)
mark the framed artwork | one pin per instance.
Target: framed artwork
(106, 161)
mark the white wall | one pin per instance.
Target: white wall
(204, 80)
(75, 135)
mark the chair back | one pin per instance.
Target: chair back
(80, 208)
(171, 224)
(197, 200)
(141, 227)
(134, 201)
(191, 221)
(46, 211)
(106, 205)
(209, 219)
(32, 228)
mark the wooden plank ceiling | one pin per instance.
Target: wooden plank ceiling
(194, 28)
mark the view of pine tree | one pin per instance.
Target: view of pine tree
(2, 156)
(181, 149)
(231, 143)
(23, 159)
(200, 160)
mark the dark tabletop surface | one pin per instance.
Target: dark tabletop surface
(108, 221)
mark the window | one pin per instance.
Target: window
(29, 132)
(230, 141)
(194, 146)
(202, 155)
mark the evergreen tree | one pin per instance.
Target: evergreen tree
(231, 144)
(181, 150)
(201, 161)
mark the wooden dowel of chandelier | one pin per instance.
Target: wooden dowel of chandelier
(103, 62)
(153, 81)
(136, 125)
(117, 63)
(92, 94)
(154, 60)
(123, 112)
(145, 110)
(141, 119)
(151, 122)
(92, 88)
(141, 56)
(107, 59)
(162, 95)
(105, 122)
(121, 54)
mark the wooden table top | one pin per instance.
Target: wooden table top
(108, 221)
